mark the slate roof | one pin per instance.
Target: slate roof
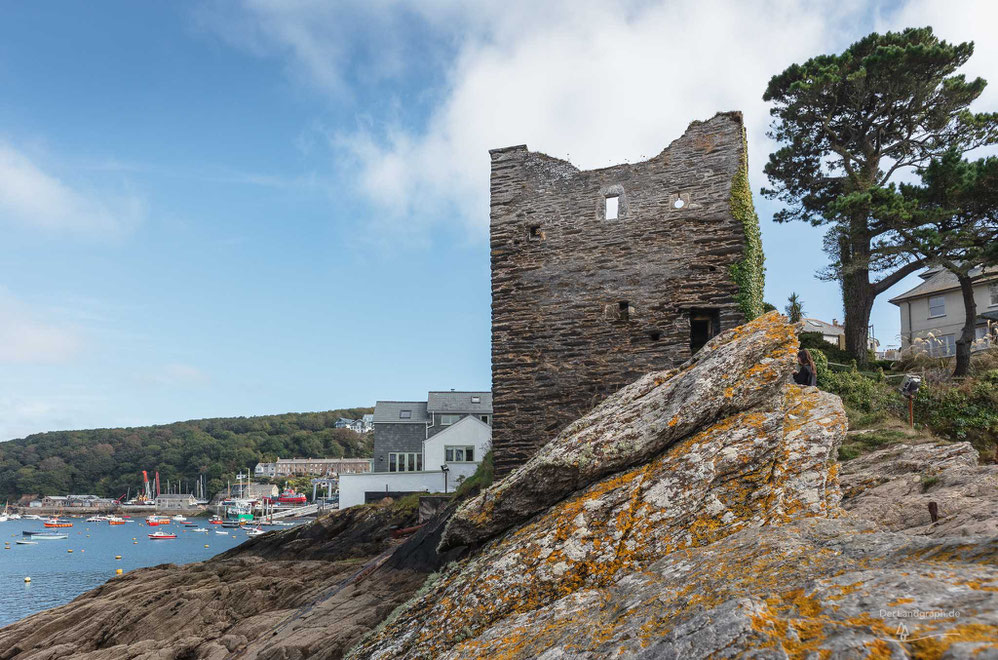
(388, 411)
(940, 281)
(817, 325)
(459, 402)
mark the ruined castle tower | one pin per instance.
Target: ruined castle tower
(601, 276)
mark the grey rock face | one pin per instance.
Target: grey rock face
(726, 539)
(735, 371)
(893, 487)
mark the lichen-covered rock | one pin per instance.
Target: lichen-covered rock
(814, 588)
(725, 539)
(766, 464)
(736, 371)
(893, 487)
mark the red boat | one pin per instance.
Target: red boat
(288, 497)
(55, 522)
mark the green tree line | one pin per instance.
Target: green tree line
(109, 462)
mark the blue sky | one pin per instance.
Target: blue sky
(254, 207)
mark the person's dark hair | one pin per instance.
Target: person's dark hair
(804, 356)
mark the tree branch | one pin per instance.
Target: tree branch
(882, 285)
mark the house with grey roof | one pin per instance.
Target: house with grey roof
(443, 462)
(401, 427)
(933, 313)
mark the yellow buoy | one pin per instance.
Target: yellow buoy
(117, 556)
(27, 579)
(135, 542)
(206, 545)
(118, 571)
(69, 551)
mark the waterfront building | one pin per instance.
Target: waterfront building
(442, 462)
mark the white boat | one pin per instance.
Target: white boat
(26, 542)
(255, 531)
(32, 516)
(161, 535)
(3, 518)
(203, 530)
(14, 516)
(222, 532)
(49, 537)
(96, 519)
(179, 518)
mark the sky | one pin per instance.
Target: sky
(242, 208)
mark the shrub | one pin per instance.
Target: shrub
(477, 482)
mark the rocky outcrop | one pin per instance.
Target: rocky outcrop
(893, 488)
(698, 513)
(311, 591)
(693, 516)
(736, 371)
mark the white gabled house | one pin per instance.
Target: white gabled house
(447, 458)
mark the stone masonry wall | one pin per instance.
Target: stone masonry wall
(396, 438)
(583, 305)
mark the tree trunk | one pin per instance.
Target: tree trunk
(858, 293)
(967, 337)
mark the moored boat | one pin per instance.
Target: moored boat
(155, 536)
(49, 537)
(115, 520)
(25, 542)
(255, 531)
(56, 522)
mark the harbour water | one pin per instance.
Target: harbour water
(58, 576)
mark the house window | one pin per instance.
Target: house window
(405, 414)
(993, 292)
(937, 306)
(447, 420)
(485, 418)
(612, 207)
(459, 454)
(405, 462)
(944, 346)
(476, 399)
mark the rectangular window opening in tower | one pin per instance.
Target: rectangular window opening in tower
(612, 207)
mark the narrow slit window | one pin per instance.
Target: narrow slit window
(625, 310)
(612, 207)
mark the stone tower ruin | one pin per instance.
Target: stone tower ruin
(601, 276)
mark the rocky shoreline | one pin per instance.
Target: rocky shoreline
(690, 515)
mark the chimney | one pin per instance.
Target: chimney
(835, 321)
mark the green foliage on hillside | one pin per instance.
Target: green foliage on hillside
(952, 410)
(108, 462)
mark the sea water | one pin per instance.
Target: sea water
(58, 576)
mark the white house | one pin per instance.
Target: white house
(447, 458)
(933, 313)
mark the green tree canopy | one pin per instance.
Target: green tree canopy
(847, 125)
(951, 220)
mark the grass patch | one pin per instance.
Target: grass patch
(857, 444)
(477, 482)
(928, 481)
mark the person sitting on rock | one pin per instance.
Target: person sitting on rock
(807, 374)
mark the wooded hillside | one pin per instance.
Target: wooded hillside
(108, 462)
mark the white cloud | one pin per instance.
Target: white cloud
(31, 197)
(26, 339)
(596, 82)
